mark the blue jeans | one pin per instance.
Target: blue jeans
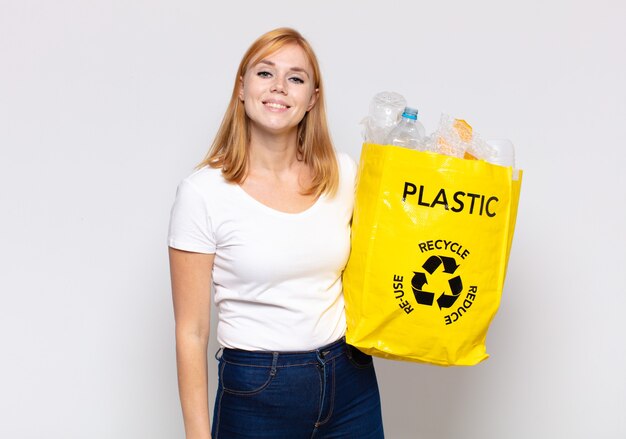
(330, 392)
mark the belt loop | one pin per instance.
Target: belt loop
(274, 363)
(321, 357)
(218, 353)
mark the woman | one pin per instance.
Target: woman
(266, 218)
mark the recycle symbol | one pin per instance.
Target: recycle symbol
(419, 280)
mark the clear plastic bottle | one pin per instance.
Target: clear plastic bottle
(409, 132)
(502, 152)
(384, 112)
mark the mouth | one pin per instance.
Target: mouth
(276, 105)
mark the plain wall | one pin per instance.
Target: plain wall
(105, 106)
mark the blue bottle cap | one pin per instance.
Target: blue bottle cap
(410, 113)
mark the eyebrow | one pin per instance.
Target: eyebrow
(293, 69)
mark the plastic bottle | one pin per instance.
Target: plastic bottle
(502, 152)
(409, 132)
(384, 112)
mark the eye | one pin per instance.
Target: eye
(264, 74)
(296, 80)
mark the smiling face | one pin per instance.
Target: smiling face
(278, 90)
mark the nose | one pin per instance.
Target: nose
(279, 86)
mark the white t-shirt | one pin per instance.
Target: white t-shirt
(277, 275)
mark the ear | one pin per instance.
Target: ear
(241, 88)
(313, 99)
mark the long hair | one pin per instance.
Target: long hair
(229, 150)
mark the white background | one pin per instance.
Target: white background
(106, 105)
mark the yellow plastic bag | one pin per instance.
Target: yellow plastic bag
(431, 236)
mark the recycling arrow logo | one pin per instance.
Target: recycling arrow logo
(424, 297)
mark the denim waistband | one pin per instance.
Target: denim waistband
(283, 359)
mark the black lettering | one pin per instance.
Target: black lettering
(478, 203)
(441, 244)
(409, 189)
(419, 198)
(473, 197)
(457, 200)
(444, 200)
(467, 304)
(490, 214)
(397, 278)
(397, 286)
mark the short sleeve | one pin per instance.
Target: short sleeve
(190, 223)
(348, 168)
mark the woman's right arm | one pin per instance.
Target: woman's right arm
(191, 293)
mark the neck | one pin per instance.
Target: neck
(273, 152)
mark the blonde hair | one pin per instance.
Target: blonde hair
(229, 150)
